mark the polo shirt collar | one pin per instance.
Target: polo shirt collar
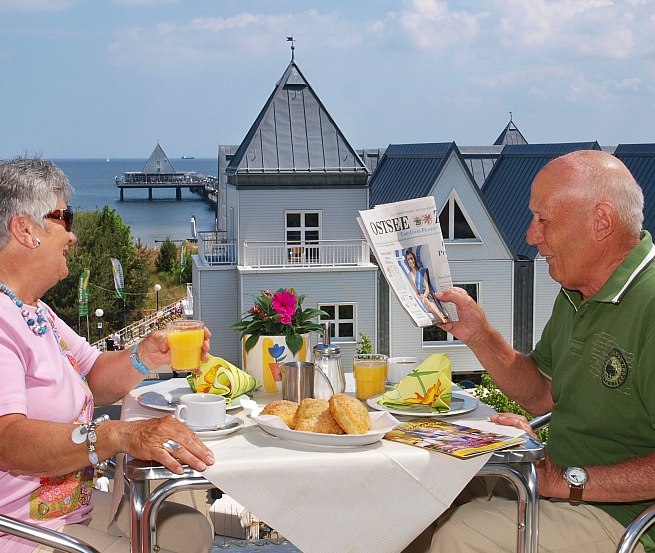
(624, 275)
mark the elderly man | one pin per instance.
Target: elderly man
(594, 366)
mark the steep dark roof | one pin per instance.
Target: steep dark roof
(480, 160)
(158, 162)
(510, 135)
(407, 171)
(640, 159)
(507, 189)
(295, 135)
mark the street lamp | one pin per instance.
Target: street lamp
(99, 314)
(157, 288)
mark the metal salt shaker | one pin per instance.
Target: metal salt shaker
(327, 358)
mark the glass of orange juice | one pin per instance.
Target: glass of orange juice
(370, 371)
(185, 339)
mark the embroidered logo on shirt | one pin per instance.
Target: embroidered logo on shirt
(615, 369)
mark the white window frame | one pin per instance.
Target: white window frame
(302, 228)
(452, 199)
(336, 320)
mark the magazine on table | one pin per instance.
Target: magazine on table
(406, 239)
(452, 439)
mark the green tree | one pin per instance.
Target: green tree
(102, 235)
(166, 260)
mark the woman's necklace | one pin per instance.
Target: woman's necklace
(38, 326)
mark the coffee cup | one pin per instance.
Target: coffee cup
(201, 411)
(399, 367)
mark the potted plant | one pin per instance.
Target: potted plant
(274, 330)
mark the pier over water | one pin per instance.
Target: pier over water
(159, 172)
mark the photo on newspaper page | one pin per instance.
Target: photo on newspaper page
(406, 239)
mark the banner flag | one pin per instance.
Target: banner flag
(83, 293)
(183, 255)
(117, 269)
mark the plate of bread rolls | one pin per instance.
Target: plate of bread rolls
(343, 420)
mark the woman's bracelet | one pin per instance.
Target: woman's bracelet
(87, 433)
(137, 363)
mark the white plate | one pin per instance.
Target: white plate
(168, 400)
(460, 403)
(211, 434)
(380, 425)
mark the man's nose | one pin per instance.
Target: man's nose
(533, 235)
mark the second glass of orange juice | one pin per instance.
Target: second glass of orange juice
(185, 338)
(370, 372)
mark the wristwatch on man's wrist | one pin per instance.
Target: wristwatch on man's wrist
(577, 479)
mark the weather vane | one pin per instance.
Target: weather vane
(290, 39)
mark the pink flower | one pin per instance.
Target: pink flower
(285, 304)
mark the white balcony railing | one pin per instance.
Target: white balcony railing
(216, 250)
(319, 253)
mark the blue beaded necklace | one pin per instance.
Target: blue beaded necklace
(38, 326)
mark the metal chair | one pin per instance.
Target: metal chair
(640, 524)
(44, 536)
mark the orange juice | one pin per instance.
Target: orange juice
(185, 344)
(370, 373)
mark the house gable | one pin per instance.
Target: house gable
(158, 163)
(295, 142)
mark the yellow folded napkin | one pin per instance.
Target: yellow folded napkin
(220, 377)
(430, 384)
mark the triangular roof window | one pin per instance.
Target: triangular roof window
(455, 224)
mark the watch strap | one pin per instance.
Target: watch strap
(575, 493)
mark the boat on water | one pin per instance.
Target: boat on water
(188, 157)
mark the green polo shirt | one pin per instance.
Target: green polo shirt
(599, 354)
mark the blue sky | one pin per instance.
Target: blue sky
(97, 78)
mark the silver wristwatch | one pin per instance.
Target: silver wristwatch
(577, 479)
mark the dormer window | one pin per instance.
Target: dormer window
(455, 225)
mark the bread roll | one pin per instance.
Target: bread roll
(350, 414)
(284, 409)
(314, 415)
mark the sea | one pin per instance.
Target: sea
(151, 221)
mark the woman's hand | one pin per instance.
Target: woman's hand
(153, 349)
(145, 439)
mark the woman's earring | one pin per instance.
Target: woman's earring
(36, 242)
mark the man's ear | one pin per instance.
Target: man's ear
(605, 220)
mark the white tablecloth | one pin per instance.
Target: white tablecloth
(326, 499)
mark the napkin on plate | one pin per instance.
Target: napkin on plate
(218, 376)
(429, 384)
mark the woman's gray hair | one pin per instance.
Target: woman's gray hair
(32, 187)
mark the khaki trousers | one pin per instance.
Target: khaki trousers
(180, 529)
(483, 525)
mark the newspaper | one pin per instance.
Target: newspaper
(406, 239)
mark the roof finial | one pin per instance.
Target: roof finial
(290, 39)
(510, 116)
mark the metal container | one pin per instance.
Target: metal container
(327, 358)
(298, 380)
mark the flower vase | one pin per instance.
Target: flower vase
(263, 360)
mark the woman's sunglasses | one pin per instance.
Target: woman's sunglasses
(65, 215)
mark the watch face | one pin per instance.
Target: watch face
(576, 476)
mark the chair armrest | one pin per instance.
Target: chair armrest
(642, 522)
(44, 536)
(537, 423)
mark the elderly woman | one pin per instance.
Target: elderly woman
(52, 378)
